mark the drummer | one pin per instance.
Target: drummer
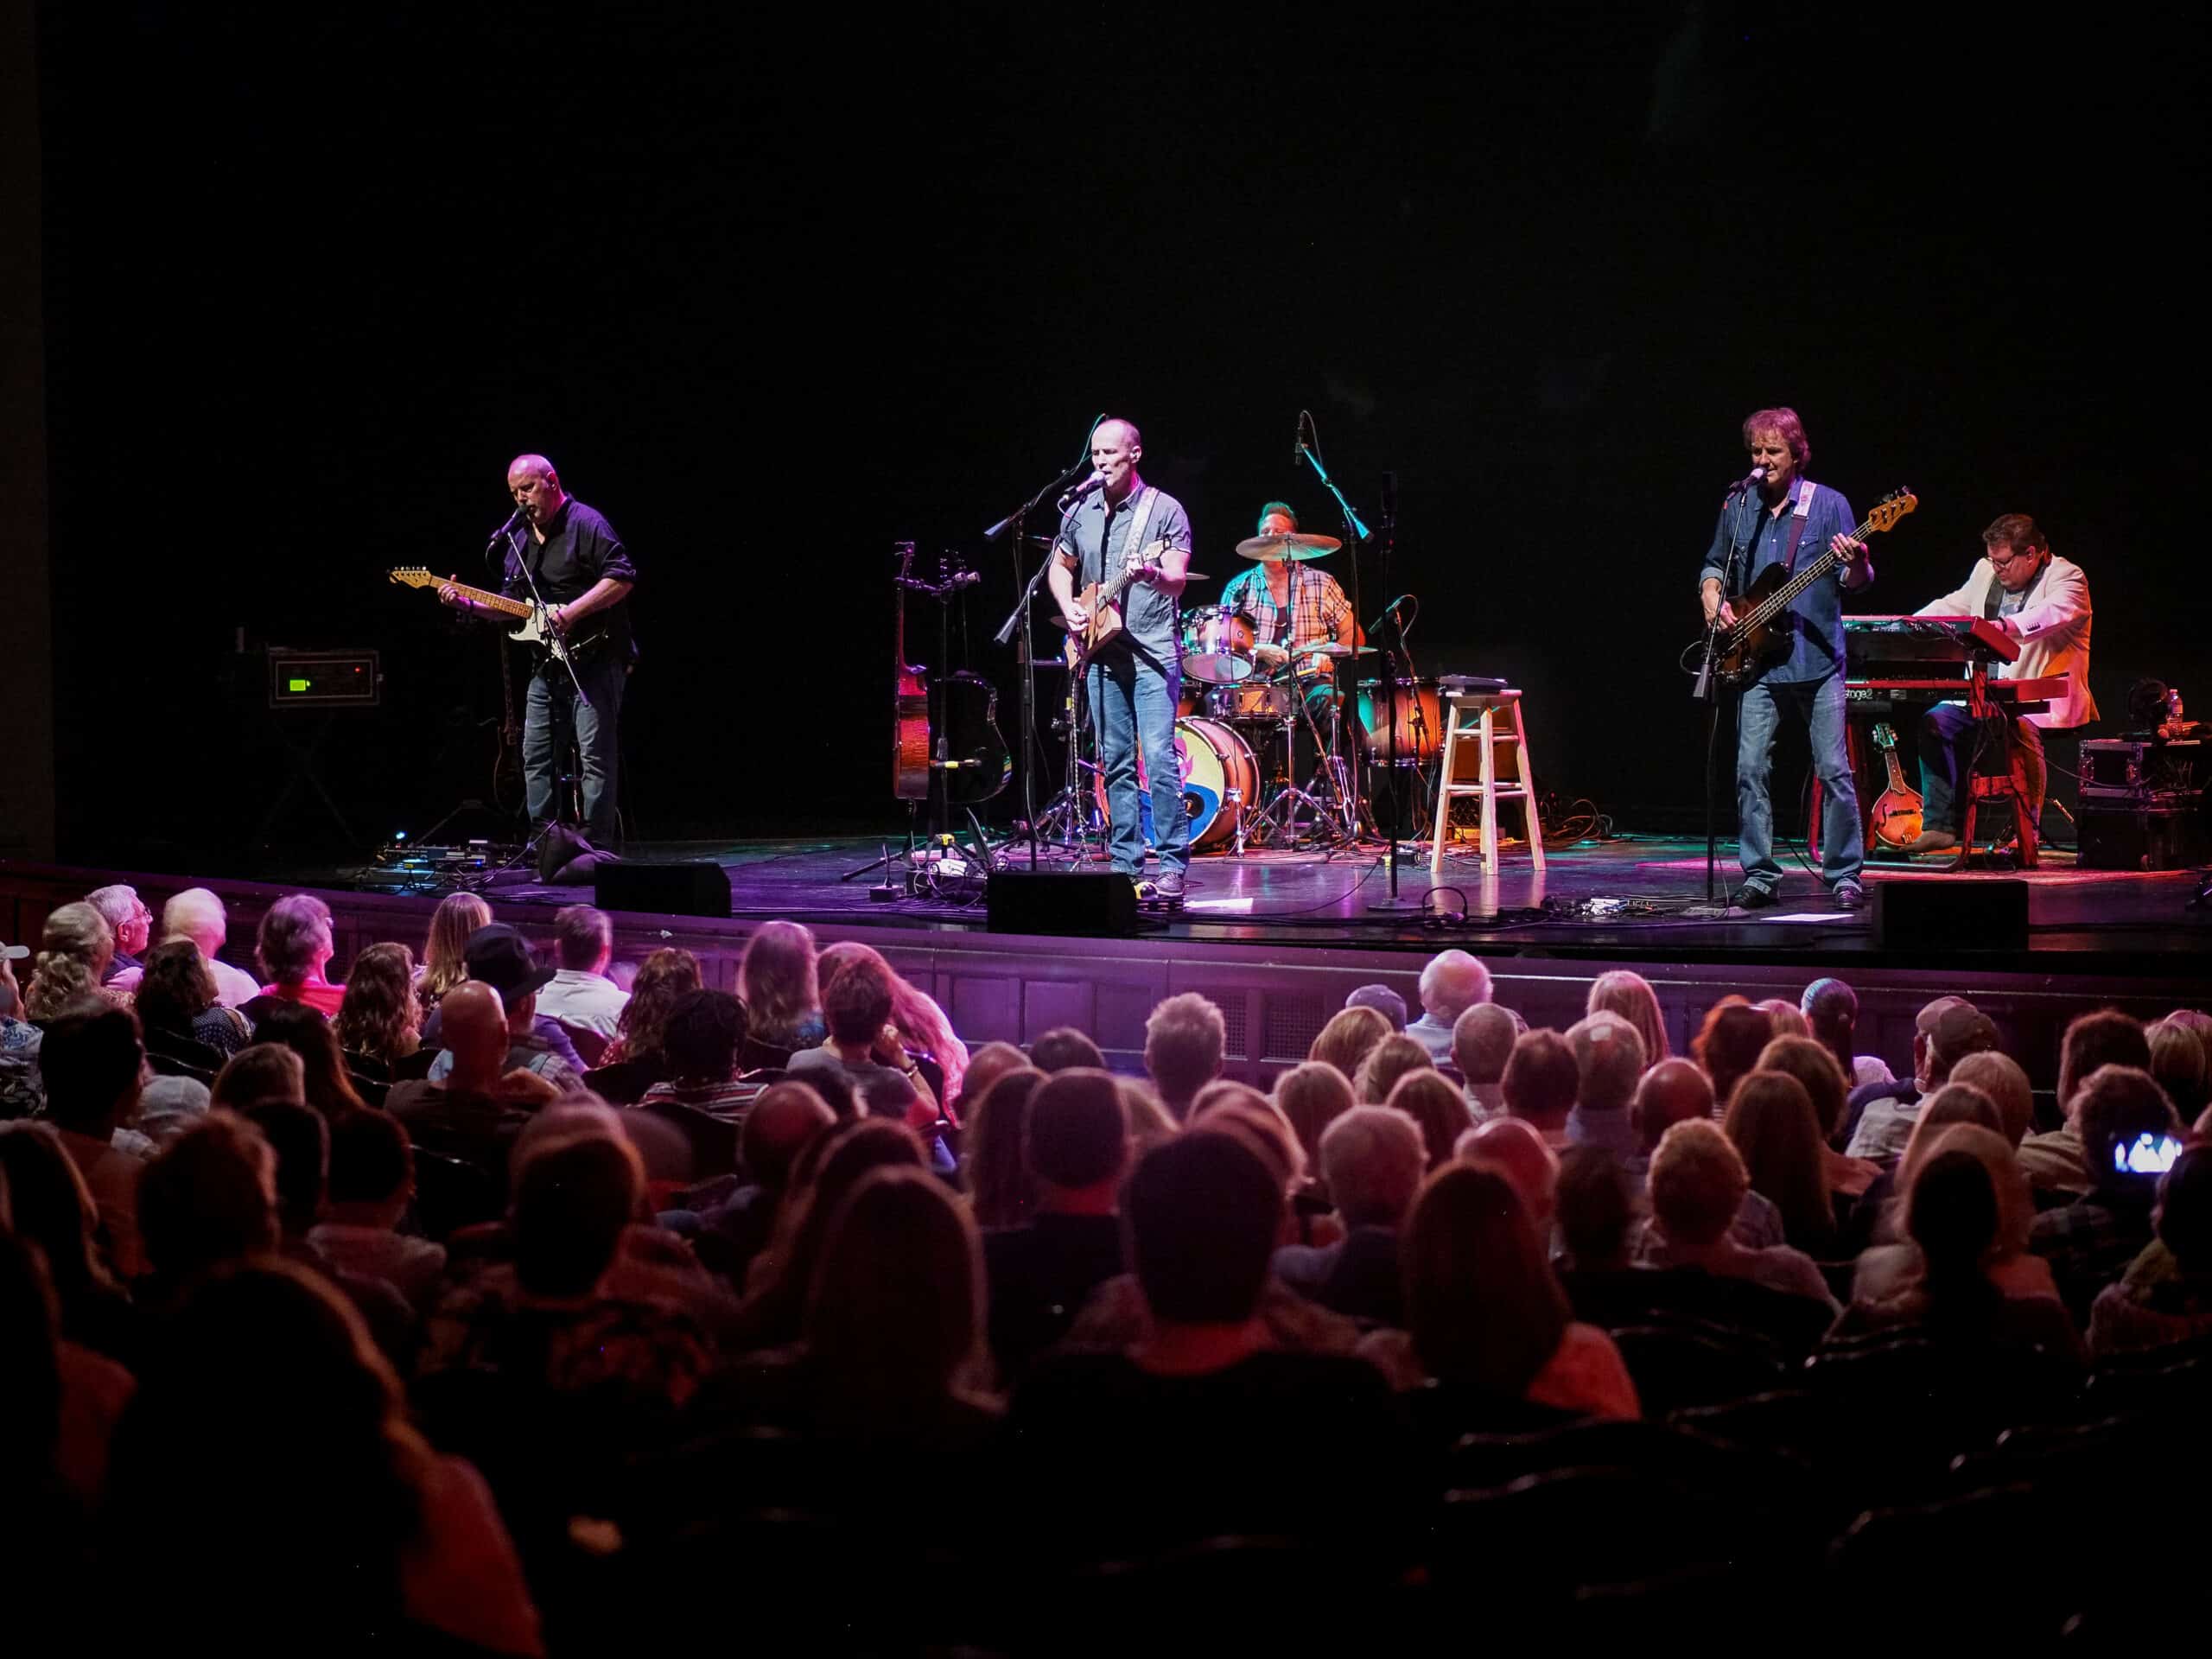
(1291, 604)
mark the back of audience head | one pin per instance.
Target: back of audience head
(379, 1014)
(783, 1119)
(1482, 1305)
(444, 964)
(829, 1167)
(2117, 1107)
(1784, 1018)
(1251, 1118)
(209, 1196)
(2016, 1210)
(1384, 1001)
(1312, 1096)
(1729, 1042)
(1814, 1066)
(999, 1184)
(372, 1170)
(573, 1196)
(1957, 1030)
(1596, 1209)
(2000, 1076)
(1609, 1059)
(1226, 1091)
(294, 940)
(1697, 1185)
(1482, 1042)
(1438, 1107)
(299, 1137)
(91, 1062)
(2182, 1066)
(2107, 1037)
(1771, 1124)
(1348, 1038)
(1542, 1080)
(663, 979)
(985, 1067)
(1513, 1147)
(1203, 1212)
(1150, 1121)
(49, 1205)
(1451, 983)
(1373, 1158)
(706, 1029)
(75, 949)
(1948, 1107)
(472, 1024)
(856, 1004)
(329, 1087)
(1388, 1061)
(1674, 1092)
(2183, 1216)
(1076, 1139)
(776, 977)
(197, 914)
(1062, 1047)
(1952, 1214)
(175, 988)
(584, 938)
(1831, 1009)
(1629, 993)
(1184, 1040)
(259, 1072)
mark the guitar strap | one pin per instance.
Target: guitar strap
(1805, 488)
(1137, 527)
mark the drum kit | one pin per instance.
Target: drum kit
(1245, 706)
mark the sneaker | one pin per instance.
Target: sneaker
(1755, 896)
(1168, 884)
(1849, 895)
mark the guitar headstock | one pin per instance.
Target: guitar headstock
(1883, 737)
(1890, 508)
(414, 575)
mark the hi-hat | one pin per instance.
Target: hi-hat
(1292, 546)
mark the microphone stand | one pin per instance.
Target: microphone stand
(1707, 692)
(1025, 653)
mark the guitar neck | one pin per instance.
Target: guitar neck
(486, 599)
(1112, 591)
(1786, 595)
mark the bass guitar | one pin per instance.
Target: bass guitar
(1898, 809)
(1759, 638)
(1102, 603)
(575, 646)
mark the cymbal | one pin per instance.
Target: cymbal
(1330, 648)
(1293, 546)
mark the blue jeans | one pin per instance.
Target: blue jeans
(1947, 753)
(546, 719)
(1821, 704)
(1133, 703)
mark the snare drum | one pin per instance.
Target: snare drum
(1220, 780)
(1255, 699)
(1217, 644)
(1420, 723)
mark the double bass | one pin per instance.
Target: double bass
(947, 725)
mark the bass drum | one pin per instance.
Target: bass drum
(1420, 723)
(1255, 699)
(1221, 780)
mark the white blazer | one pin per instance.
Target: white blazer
(2053, 628)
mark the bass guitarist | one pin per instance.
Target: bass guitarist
(1136, 676)
(1780, 516)
(578, 565)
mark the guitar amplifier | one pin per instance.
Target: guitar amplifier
(2116, 769)
(2166, 832)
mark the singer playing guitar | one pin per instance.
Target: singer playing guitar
(1779, 517)
(1136, 678)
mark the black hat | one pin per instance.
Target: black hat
(501, 957)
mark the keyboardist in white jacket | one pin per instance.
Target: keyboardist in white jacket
(2043, 603)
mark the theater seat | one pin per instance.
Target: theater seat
(1678, 1363)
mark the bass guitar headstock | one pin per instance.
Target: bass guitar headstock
(1890, 508)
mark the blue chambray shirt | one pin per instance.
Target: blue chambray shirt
(1816, 619)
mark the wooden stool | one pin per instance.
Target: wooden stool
(2012, 785)
(1475, 717)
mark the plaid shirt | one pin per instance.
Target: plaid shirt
(1318, 604)
(2090, 1242)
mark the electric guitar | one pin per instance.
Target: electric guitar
(1898, 810)
(575, 646)
(1759, 638)
(1101, 603)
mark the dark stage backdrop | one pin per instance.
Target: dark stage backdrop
(775, 293)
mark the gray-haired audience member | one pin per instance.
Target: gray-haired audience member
(1452, 983)
(1608, 1061)
(1373, 1158)
(1482, 1042)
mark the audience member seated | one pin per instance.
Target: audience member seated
(1350, 1037)
(445, 962)
(1373, 1158)
(52, 1208)
(184, 1027)
(985, 1067)
(705, 1033)
(1878, 1221)
(1831, 1011)
(1513, 1147)
(1386, 1063)
(1184, 1040)
(2057, 1161)
(20, 1094)
(1311, 1096)
(131, 924)
(90, 1066)
(499, 956)
(786, 1119)
(1384, 1001)
(862, 1046)
(2174, 1306)
(777, 978)
(330, 1088)
(1541, 1083)
(371, 1186)
(475, 1112)
(294, 947)
(1064, 1046)
(993, 1165)
(1947, 1030)
(1814, 1065)
(1889, 1266)
(1697, 1187)
(2000, 1076)
(1771, 1124)
(1482, 1042)
(1784, 1017)
(1201, 1429)
(1629, 993)
(256, 1072)
(1956, 1219)
(580, 995)
(266, 1400)
(1486, 1321)
(209, 1198)
(924, 1031)
(1596, 1212)
(1609, 1059)
(198, 915)
(379, 1023)
(1678, 1091)
(1076, 1150)
(2182, 1065)
(75, 949)
(1438, 1107)
(2126, 1124)
(1452, 983)
(1150, 1122)
(1729, 1042)
(637, 1058)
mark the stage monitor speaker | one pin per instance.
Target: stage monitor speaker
(700, 888)
(1940, 915)
(1086, 905)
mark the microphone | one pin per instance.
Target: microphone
(1297, 439)
(1757, 475)
(513, 519)
(1391, 609)
(1089, 485)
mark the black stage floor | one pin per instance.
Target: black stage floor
(1626, 896)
